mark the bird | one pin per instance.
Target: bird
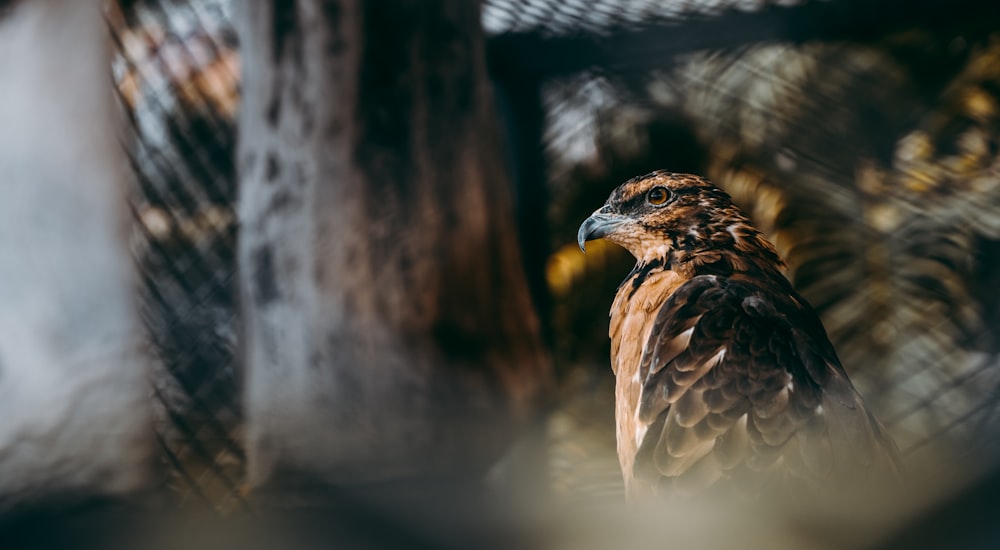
(725, 379)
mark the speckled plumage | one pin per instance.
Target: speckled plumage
(725, 375)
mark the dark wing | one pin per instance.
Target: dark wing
(743, 385)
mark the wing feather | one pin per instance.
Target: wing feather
(690, 408)
(732, 446)
(738, 376)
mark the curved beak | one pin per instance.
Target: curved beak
(599, 224)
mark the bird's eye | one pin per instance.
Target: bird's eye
(657, 196)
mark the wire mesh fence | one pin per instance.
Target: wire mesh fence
(872, 163)
(178, 78)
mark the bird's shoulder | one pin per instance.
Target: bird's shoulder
(634, 310)
(740, 379)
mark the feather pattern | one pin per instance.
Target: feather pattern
(724, 373)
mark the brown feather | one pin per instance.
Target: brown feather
(722, 369)
(632, 317)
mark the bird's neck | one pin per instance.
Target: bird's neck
(728, 248)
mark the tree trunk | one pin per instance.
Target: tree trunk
(73, 410)
(389, 330)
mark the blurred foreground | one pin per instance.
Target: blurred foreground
(864, 139)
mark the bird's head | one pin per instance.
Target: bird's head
(663, 214)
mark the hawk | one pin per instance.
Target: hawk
(724, 374)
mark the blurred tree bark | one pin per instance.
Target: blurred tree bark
(389, 329)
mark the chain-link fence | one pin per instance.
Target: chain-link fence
(863, 141)
(177, 72)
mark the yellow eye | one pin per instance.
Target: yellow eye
(657, 196)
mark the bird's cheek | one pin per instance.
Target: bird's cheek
(629, 241)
